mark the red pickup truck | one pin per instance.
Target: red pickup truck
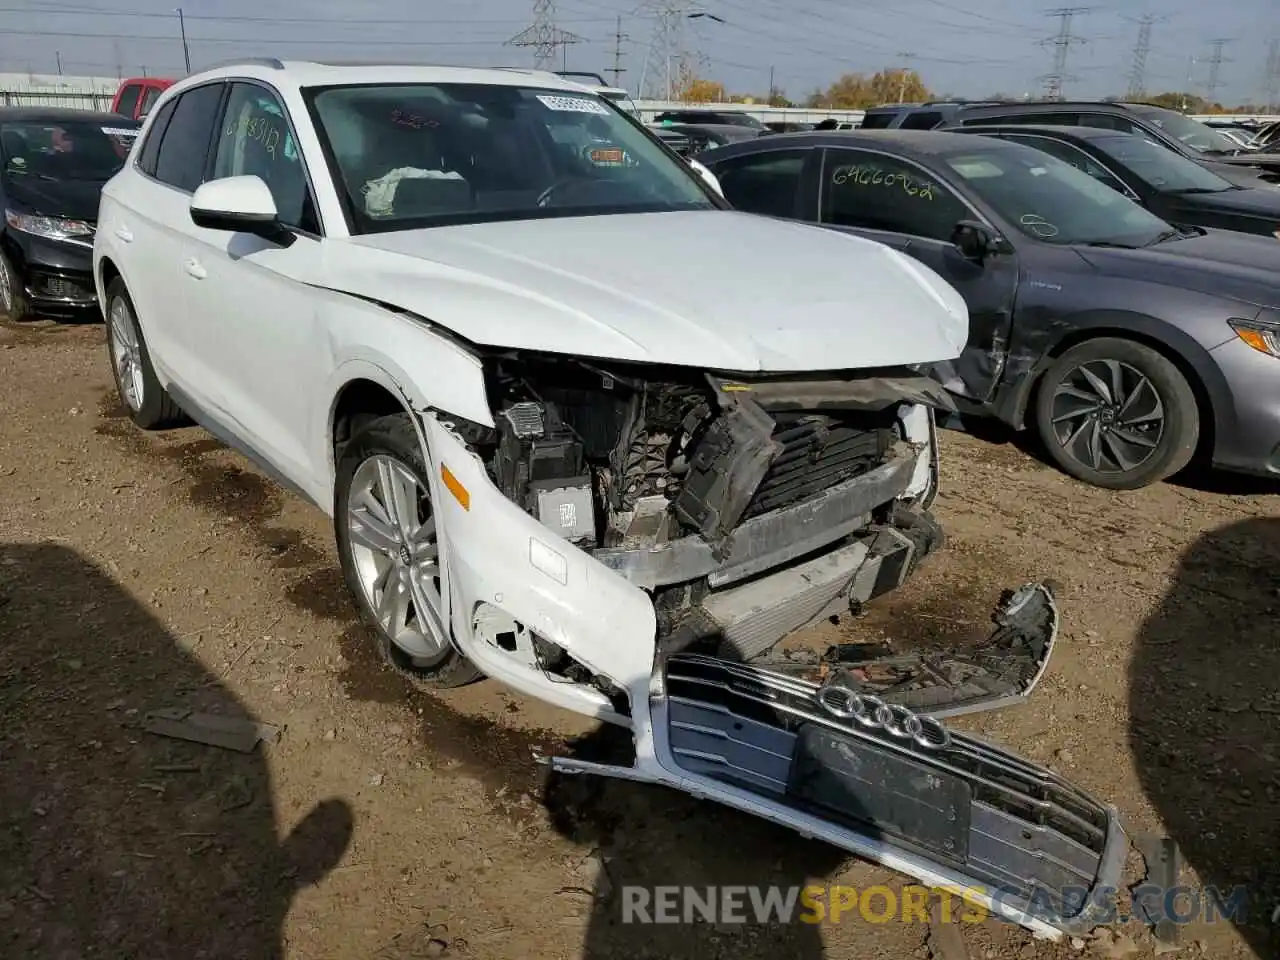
(136, 96)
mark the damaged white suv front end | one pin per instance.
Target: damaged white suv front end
(585, 430)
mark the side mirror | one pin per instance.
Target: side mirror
(708, 177)
(975, 240)
(239, 205)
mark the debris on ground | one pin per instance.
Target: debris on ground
(230, 733)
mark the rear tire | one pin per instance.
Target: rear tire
(1117, 414)
(149, 406)
(385, 526)
(13, 298)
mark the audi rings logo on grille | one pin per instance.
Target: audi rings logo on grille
(895, 720)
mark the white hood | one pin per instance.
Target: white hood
(714, 289)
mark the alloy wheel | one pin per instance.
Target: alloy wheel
(6, 290)
(1108, 416)
(396, 554)
(126, 352)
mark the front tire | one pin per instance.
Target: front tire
(390, 553)
(150, 406)
(1117, 414)
(13, 298)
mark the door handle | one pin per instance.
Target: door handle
(123, 234)
(196, 270)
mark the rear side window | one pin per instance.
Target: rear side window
(766, 183)
(877, 121)
(151, 146)
(128, 104)
(184, 146)
(921, 121)
(1105, 121)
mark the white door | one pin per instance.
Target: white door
(251, 311)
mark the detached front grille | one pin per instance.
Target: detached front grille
(1014, 826)
(818, 452)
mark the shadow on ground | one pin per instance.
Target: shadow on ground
(649, 837)
(115, 842)
(1205, 707)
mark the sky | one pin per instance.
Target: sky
(971, 48)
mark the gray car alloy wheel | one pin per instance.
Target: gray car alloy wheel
(1108, 416)
(126, 353)
(396, 554)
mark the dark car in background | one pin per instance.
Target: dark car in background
(706, 136)
(1179, 133)
(915, 116)
(1166, 183)
(732, 118)
(53, 163)
(1128, 343)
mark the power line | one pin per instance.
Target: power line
(544, 36)
(1061, 43)
(1216, 60)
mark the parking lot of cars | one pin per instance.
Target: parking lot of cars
(164, 580)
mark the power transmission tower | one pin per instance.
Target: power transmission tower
(668, 58)
(544, 36)
(1216, 60)
(618, 39)
(1062, 42)
(1141, 49)
(1271, 76)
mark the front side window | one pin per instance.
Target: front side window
(874, 191)
(425, 155)
(1050, 200)
(66, 149)
(766, 183)
(255, 140)
(184, 149)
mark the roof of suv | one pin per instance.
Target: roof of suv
(311, 73)
(1079, 133)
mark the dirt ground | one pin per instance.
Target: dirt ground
(139, 572)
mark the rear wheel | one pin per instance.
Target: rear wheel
(390, 551)
(13, 298)
(149, 406)
(1117, 414)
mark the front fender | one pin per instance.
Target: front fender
(1033, 354)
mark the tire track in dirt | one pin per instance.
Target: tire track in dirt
(500, 757)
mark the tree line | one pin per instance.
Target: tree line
(858, 91)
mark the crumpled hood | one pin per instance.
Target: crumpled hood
(1241, 266)
(715, 289)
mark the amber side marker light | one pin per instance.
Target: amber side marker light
(1263, 337)
(454, 486)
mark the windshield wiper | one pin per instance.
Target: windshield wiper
(1163, 236)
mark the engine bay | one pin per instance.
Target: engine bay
(608, 458)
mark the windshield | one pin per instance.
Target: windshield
(1159, 166)
(425, 155)
(1052, 201)
(66, 149)
(1192, 133)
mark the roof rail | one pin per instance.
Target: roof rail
(273, 62)
(569, 74)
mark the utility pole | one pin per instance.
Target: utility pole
(182, 28)
(618, 69)
(1141, 49)
(544, 36)
(1216, 60)
(115, 46)
(772, 88)
(58, 55)
(1062, 43)
(902, 75)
